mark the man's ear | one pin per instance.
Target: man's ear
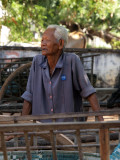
(61, 44)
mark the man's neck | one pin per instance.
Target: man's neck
(52, 61)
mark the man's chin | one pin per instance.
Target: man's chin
(44, 53)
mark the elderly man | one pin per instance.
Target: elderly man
(57, 81)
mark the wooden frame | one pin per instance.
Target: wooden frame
(53, 129)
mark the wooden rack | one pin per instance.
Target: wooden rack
(30, 128)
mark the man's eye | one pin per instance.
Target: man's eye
(45, 40)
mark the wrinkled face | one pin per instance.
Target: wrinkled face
(49, 44)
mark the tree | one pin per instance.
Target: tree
(23, 19)
(95, 17)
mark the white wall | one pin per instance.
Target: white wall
(4, 35)
(4, 31)
(98, 42)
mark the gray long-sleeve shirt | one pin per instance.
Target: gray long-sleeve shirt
(61, 93)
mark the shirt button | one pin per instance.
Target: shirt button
(51, 109)
(50, 97)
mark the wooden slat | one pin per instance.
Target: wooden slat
(59, 115)
(119, 136)
(92, 65)
(64, 147)
(3, 145)
(104, 144)
(15, 138)
(32, 140)
(55, 128)
(97, 138)
(35, 136)
(27, 146)
(53, 143)
(58, 126)
(97, 142)
(79, 144)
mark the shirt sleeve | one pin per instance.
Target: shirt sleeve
(80, 79)
(28, 94)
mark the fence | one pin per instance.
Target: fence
(31, 129)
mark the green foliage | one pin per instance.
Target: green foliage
(93, 13)
(21, 19)
(25, 17)
(115, 44)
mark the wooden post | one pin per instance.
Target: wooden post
(104, 144)
(34, 138)
(15, 138)
(3, 146)
(79, 144)
(92, 64)
(27, 146)
(97, 138)
(53, 141)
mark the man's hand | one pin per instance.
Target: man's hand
(100, 118)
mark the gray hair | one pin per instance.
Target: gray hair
(60, 32)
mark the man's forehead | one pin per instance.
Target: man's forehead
(49, 31)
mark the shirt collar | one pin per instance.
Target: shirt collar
(60, 61)
(44, 63)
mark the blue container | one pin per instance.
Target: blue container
(47, 155)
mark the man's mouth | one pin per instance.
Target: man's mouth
(44, 49)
